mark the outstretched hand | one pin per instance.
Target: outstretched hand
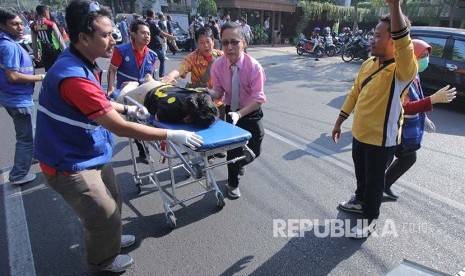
(187, 138)
(443, 95)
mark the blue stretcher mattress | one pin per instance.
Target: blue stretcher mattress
(218, 135)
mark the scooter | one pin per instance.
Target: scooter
(358, 49)
(310, 46)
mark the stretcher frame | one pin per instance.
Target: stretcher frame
(195, 162)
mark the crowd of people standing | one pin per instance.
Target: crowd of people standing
(76, 118)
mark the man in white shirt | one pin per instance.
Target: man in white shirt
(246, 31)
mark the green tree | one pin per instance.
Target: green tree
(207, 7)
(55, 5)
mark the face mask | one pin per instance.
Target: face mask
(423, 64)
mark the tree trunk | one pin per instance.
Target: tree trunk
(355, 15)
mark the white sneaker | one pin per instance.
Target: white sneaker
(127, 240)
(27, 178)
(233, 192)
(121, 263)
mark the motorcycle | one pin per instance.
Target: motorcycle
(310, 46)
(329, 46)
(358, 49)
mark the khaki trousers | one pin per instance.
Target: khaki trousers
(95, 197)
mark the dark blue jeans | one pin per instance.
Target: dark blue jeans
(161, 59)
(22, 119)
(370, 164)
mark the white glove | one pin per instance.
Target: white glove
(443, 95)
(429, 125)
(42, 76)
(138, 112)
(187, 138)
(235, 116)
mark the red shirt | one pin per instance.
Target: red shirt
(117, 59)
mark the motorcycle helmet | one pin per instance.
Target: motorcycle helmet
(316, 30)
(420, 46)
(359, 32)
(327, 30)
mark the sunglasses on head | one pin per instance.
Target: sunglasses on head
(94, 7)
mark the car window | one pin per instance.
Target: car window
(458, 53)
(438, 44)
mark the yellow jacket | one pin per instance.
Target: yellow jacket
(377, 105)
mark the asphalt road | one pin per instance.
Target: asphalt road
(300, 177)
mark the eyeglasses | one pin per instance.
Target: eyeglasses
(233, 42)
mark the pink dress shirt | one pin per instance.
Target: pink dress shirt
(251, 80)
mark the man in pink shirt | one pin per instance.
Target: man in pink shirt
(250, 96)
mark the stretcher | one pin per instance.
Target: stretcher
(217, 138)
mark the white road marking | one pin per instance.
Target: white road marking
(19, 245)
(330, 156)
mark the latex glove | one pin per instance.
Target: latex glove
(187, 138)
(235, 116)
(429, 126)
(138, 112)
(148, 77)
(42, 76)
(443, 95)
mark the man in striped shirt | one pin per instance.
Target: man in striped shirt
(46, 32)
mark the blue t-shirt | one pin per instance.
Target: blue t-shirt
(10, 58)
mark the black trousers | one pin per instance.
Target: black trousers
(253, 124)
(49, 56)
(401, 165)
(370, 164)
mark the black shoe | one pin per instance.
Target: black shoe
(390, 193)
(143, 159)
(242, 171)
(220, 154)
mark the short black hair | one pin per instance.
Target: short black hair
(41, 9)
(136, 23)
(206, 31)
(149, 13)
(7, 14)
(387, 19)
(80, 20)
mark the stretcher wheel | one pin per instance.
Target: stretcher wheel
(139, 187)
(197, 170)
(171, 219)
(221, 203)
(249, 155)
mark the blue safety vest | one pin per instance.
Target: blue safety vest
(414, 125)
(65, 138)
(26, 67)
(128, 71)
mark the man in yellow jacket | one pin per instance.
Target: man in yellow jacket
(375, 100)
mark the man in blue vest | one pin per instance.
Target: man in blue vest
(132, 62)
(16, 88)
(74, 141)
